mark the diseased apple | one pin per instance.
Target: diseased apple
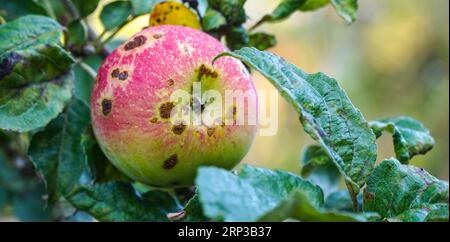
(132, 106)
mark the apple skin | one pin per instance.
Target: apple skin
(132, 97)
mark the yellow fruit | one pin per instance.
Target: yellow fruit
(174, 13)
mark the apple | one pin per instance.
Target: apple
(134, 111)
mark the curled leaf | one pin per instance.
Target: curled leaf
(326, 113)
(410, 136)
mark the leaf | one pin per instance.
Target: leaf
(174, 13)
(300, 207)
(262, 41)
(30, 205)
(13, 9)
(213, 19)
(341, 200)
(232, 10)
(10, 178)
(427, 213)
(34, 86)
(102, 169)
(193, 212)
(346, 9)
(237, 38)
(28, 31)
(318, 167)
(116, 201)
(115, 14)
(4, 199)
(326, 113)
(251, 195)
(141, 7)
(84, 82)
(410, 136)
(57, 153)
(77, 32)
(85, 8)
(311, 5)
(393, 189)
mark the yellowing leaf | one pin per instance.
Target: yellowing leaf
(174, 13)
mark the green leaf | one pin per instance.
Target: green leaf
(427, 213)
(284, 10)
(193, 211)
(318, 167)
(251, 195)
(393, 189)
(4, 199)
(30, 205)
(28, 31)
(102, 169)
(115, 14)
(237, 38)
(300, 207)
(410, 136)
(311, 5)
(57, 153)
(232, 10)
(116, 201)
(143, 6)
(262, 41)
(326, 113)
(341, 200)
(346, 9)
(10, 178)
(77, 32)
(12, 9)
(84, 7)
(35, 85)
(213, 20)
(84, 82)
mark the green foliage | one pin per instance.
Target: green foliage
(48, 60)
(318, 167)
(118, 201)
(410, 136)
(56, 151)
(325, 111)
(10, 10)
(115, 14)
(394, 188)
(252, 194)
(85, 8)
(77, 32)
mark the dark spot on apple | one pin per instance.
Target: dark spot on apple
(206, 71)
(166, 109)
(210, 131)
(136, 42)
(170, 162)
(115, 73)
(106, 106)
(170, 82)
(157, 36)
(178, 129)
(123, 75)
(154, 120)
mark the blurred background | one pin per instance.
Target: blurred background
(394, 60)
